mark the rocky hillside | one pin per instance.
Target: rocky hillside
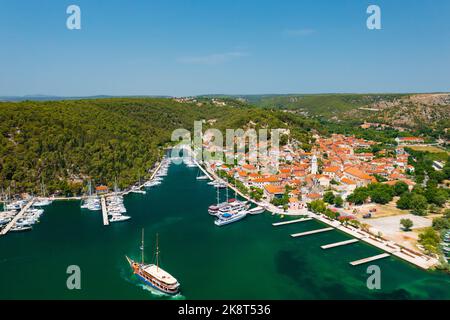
(413, 111)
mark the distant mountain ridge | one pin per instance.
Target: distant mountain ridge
(43, 97)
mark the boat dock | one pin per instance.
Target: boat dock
(338, 244)
(17, 217)
(369, 259)
(156, 171)
(301, 234)
(203, 170)
(104, 212)
(276, 224)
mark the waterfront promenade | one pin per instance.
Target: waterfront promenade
(416, 258)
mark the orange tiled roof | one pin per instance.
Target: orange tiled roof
(274, 189)
(358, 173)
(242, 173)
(331, 169)
(410, 139)
(347, 181)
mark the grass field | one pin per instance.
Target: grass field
(431, 149)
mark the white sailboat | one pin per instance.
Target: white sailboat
(92, 202)
(44, 201)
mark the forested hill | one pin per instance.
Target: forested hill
(66, 143)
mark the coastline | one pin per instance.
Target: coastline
(418, 259)
(415, 258)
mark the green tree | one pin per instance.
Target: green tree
(400, 188)
(441, 223)
(418, 205)
(407, 224)
(430, 240)
(359, 196)
(317, 206)
(328, 197)
(338, 201)
(405, 201)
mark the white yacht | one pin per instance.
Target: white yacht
(256, 210)
(119, 218)
(42, 203)
(137, 190)
(21, 228)
(227, 218)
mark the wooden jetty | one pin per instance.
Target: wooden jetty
(17, 217)
(369, 259)
(301, 234)
(104, 212)
(338, 244)
(290, 221)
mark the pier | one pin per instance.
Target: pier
(365, 260)
(155, 172)
(338, 244)
(276, 224)
(17, 217)
(203, 170)
(301, 234)
(104, 212)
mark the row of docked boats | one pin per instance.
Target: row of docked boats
(159, 176)
(116, 209)
(231, 210)
(29, 218)
(92, 202)
(189, 162)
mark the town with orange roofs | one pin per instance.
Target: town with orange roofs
(341, 181)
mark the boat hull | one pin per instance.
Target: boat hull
(221, 222)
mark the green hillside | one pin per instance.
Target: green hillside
(326, 105)
(65, 143)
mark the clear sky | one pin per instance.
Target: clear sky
(189, 47)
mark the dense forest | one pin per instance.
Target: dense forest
(63, 144)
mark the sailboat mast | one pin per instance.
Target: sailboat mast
(157, 252)
(142, 247)
(218, 195)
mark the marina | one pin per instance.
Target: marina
(104, 212)
(16, 218)
(419, 260)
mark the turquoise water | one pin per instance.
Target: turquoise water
(246, 260)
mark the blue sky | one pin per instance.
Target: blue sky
(189, 47)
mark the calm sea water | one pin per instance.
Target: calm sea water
(246, 260)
